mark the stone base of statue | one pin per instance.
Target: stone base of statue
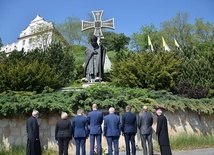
(86, 83)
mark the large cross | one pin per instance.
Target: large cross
(98, 24)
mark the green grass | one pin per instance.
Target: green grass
(181, 142)
(79, 57)
(21, 150)
(190, 141)
(18, 150)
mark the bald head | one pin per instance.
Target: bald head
(111, 110)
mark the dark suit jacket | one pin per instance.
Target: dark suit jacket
(129, 123)
(32, 128)
(95, 120)
(63, 129)
(145, 121)
(80, 126)
(112, 125)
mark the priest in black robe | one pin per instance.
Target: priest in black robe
(33, 141)
(162, 133)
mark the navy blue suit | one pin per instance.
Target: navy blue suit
(129, 130)
(95, 119)
(112, 130)
(80, 132)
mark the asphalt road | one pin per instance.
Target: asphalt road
(207, 151)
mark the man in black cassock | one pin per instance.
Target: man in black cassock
(162, 133)
(33, 142)
(94, 62)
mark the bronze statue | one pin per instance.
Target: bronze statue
(95, 56)
(94, 62)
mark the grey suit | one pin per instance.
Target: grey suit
(145, 121)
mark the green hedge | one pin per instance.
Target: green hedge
(22, 103)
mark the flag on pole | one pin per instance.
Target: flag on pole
(150, 44)
(176, 44)
(166, 47)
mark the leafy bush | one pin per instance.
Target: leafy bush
(197, 72)
(22, 103)
(37, 70)
(147, 70)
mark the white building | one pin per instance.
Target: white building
(39, 33)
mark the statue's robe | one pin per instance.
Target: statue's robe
(94, 59)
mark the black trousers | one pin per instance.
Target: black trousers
(63, 145)
(130, 137)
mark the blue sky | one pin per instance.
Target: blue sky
(129, 15)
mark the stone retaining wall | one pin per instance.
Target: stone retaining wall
(13, 131)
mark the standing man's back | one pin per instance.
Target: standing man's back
(33, 141)
(129, 129)
(145, 121)
(112, 129)
(95, 119)
(80, 129)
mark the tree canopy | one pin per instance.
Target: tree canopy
(37, 70)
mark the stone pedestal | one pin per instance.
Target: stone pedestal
(85, 85)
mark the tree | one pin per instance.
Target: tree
(134, 42)
(42, 33)
(203, 35)
(147, 70)
(196, 79)
(71, 31)
(62, 59)
(178, 28)
(1, 43)
(139, 40)
(114, 41)
(37, 70)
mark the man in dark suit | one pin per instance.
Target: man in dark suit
(145, 122)
(33, 142)
(95, 119)
(80, 131)
(129, 129)
(112, 130)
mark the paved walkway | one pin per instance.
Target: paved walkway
(207, 151)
